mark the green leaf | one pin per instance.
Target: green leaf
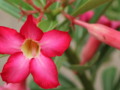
(3, 55)
(65, 82)
(114, 11)
(94, 59)
(19, 3)
(88, 5)
(76, 4)
(86, 66)
(43, 2)
(47, 25)
(78, 32)
(10, 9)
(54, 5)
(108, 78)
(102, 9)
(117, 84)
(59, 61)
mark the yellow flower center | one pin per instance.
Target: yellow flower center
(30, 48)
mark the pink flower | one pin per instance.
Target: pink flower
(17, 86)
(31, 51)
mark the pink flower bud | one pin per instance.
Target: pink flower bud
(89, 49)
(101, 32)
(115, 24)
(104, 20)
(87, 16)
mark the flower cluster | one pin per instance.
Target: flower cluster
(102, 31)
(93, 44)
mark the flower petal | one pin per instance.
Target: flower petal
(16, 69)
(54, 43)
(44, 72)
(10, 40)
(30, 30)
(15, 86)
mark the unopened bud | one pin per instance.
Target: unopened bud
(89, 49)
(115, 24)
(101, 32)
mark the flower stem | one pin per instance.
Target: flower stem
(85, 81)
(74, 59)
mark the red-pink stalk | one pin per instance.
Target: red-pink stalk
(25, 13)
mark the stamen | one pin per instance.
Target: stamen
(30, 48)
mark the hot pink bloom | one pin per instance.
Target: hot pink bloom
(30, 52)
(17, 86)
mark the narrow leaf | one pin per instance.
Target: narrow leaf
(19, 3)
(88, 5)
(47, 25)
(10, 9)
(108, 77)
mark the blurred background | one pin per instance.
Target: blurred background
(10, 21)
